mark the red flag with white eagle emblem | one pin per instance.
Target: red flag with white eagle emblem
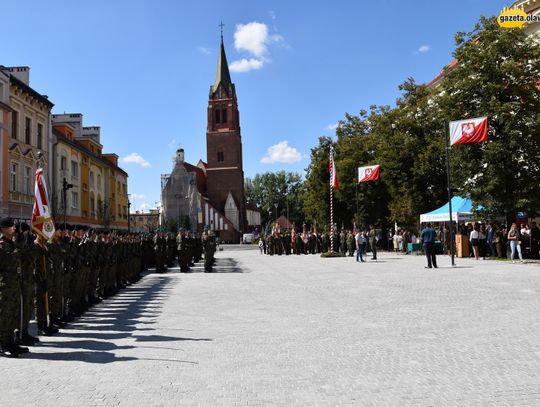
(370, 173)
(42, 221)
(469, 131)
(334, 182)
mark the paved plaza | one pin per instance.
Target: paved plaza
(298, 331)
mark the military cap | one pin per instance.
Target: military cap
(78, 227)
(69, 227)
(6, 223)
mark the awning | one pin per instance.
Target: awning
(461, 211)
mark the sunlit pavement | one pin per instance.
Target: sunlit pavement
(298, 331)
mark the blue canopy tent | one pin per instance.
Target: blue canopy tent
(461, 212)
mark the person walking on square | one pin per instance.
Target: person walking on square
(428, 241)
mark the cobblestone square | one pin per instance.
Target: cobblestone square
(298, 331)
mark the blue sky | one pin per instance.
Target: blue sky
(141, 69)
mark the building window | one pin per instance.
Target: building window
(220, 156)
(13, 177)
(14, 122)
(74, 169)
(224, 116)
(218, 115)
(91, 179)
(27, 130)
(99, 181)
(40, 136)
(27, 180)
(119, 211)
(74, 199)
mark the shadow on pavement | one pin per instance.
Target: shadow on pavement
(129, 314)
(227, 265)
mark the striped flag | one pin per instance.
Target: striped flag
(334, 182)
(42, 221)
(370, 173)
(469, 131)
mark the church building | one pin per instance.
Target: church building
(212, 192)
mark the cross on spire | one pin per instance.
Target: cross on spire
(221, 25)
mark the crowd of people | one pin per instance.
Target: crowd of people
(481, 240)
(57, 280)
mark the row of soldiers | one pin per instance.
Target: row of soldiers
(187, 247)
(59, 279)
(310, 241)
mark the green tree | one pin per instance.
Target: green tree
(284, 188)
(497, 76)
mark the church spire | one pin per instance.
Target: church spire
(222, 72)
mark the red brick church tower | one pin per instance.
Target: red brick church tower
(224, 170)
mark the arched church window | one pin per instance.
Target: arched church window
(223, 115)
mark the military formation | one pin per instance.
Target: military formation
(312, 241)
(57, 280)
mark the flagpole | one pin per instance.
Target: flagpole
(446, 139)
(331, 203)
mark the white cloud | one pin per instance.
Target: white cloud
(245, 65)
(332, 126)
(254, 39)
(281, 153)
(137, 196)
(272, 14)
(251, 37)
(135, 158)
(204, 50)
(423, 49)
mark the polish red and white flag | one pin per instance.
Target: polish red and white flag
(370, 173)
(334, 182)
(42, 221)
(469, 131)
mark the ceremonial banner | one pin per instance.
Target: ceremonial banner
(334, 182)
(469, 131)
(42, 221)
(370, 173)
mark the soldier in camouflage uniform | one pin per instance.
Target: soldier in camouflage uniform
(160, 247)
(57, 255)
(181, 242)
(44, 280)
(9, 290)
(209, 248)
(27, 257)
(197, 248)
(351, 245)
